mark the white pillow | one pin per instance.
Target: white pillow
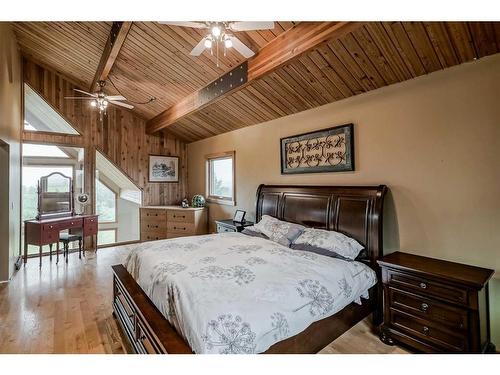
(329, 240)
(279, 231)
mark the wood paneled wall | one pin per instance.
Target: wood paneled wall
(121, 136)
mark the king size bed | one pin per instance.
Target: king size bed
(237, 293)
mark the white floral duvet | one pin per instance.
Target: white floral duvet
(232, 293)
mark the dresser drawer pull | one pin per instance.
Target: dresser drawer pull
(423, 285)
(424, 307)
(182, 217)
(425, 331)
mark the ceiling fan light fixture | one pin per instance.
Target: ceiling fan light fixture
(93, 103)
(208, 43)
(228, 43)
(216, 31)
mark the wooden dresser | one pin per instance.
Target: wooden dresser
(161, 222)
(435, 306)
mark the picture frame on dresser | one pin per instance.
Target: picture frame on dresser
(163, 169)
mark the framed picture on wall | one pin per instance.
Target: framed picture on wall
(325, 150)
(163, 168)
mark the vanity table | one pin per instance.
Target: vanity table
(55, 214)
(46, 231)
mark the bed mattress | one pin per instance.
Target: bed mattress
(232, 293)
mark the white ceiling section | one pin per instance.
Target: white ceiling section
(128, 190)
(41, 116)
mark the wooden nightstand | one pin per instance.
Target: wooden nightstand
(231, 226)
(435, 306)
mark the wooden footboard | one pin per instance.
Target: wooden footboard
(148, 332)
(143, 326)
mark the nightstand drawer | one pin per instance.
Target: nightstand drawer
(451, 316)
(428, 331)
(223, 229)
(427, 287)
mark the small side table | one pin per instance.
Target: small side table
(231, 226)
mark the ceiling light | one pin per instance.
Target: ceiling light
(208, 43)
(216, 31)
(93, 103)
(228, 43)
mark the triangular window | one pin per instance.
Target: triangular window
(40, 116)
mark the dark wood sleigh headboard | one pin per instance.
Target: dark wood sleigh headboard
(355, 211)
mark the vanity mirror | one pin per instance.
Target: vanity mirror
(55, 196)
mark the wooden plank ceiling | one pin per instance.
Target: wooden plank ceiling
(154, 61)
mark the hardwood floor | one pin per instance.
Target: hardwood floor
(66, 308)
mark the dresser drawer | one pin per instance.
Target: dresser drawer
(90, 229)
(50, 236)
(451, 316)
(153, 236)
(186, 229)
(425, 286)
(126, 307)
(144, 343)
(151, 225)
(90, 220)
(428, 331)
(180, 216)
(153, 214)
(49, 227)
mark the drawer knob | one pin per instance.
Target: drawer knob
(425, 330)
(423, 285)
(424, 307)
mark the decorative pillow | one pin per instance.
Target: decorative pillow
(279, 231)
(317, 250)
(332, 241)
(253, 232)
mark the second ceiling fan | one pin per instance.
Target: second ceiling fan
(222, 32)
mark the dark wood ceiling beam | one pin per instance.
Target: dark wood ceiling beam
(282, 50)
(116, 38)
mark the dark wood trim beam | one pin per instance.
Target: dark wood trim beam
(288, 46)
(117, 36)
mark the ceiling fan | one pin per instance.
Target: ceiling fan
(100, 100)
(222, 32)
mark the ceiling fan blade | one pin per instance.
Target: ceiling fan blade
(78, 97)
(241, 48)
(199, 48)
(248, 26)
(116, 97)
(129, 106)
(86, 93)
(196, 25)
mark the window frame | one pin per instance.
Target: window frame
(231, 201)
(116, 203)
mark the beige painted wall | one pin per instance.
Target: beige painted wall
(434, 140)
(10, 134)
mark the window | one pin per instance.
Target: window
(40, 116)
(106, 236)
(105, 202)
(220, 178)
(32, 150)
